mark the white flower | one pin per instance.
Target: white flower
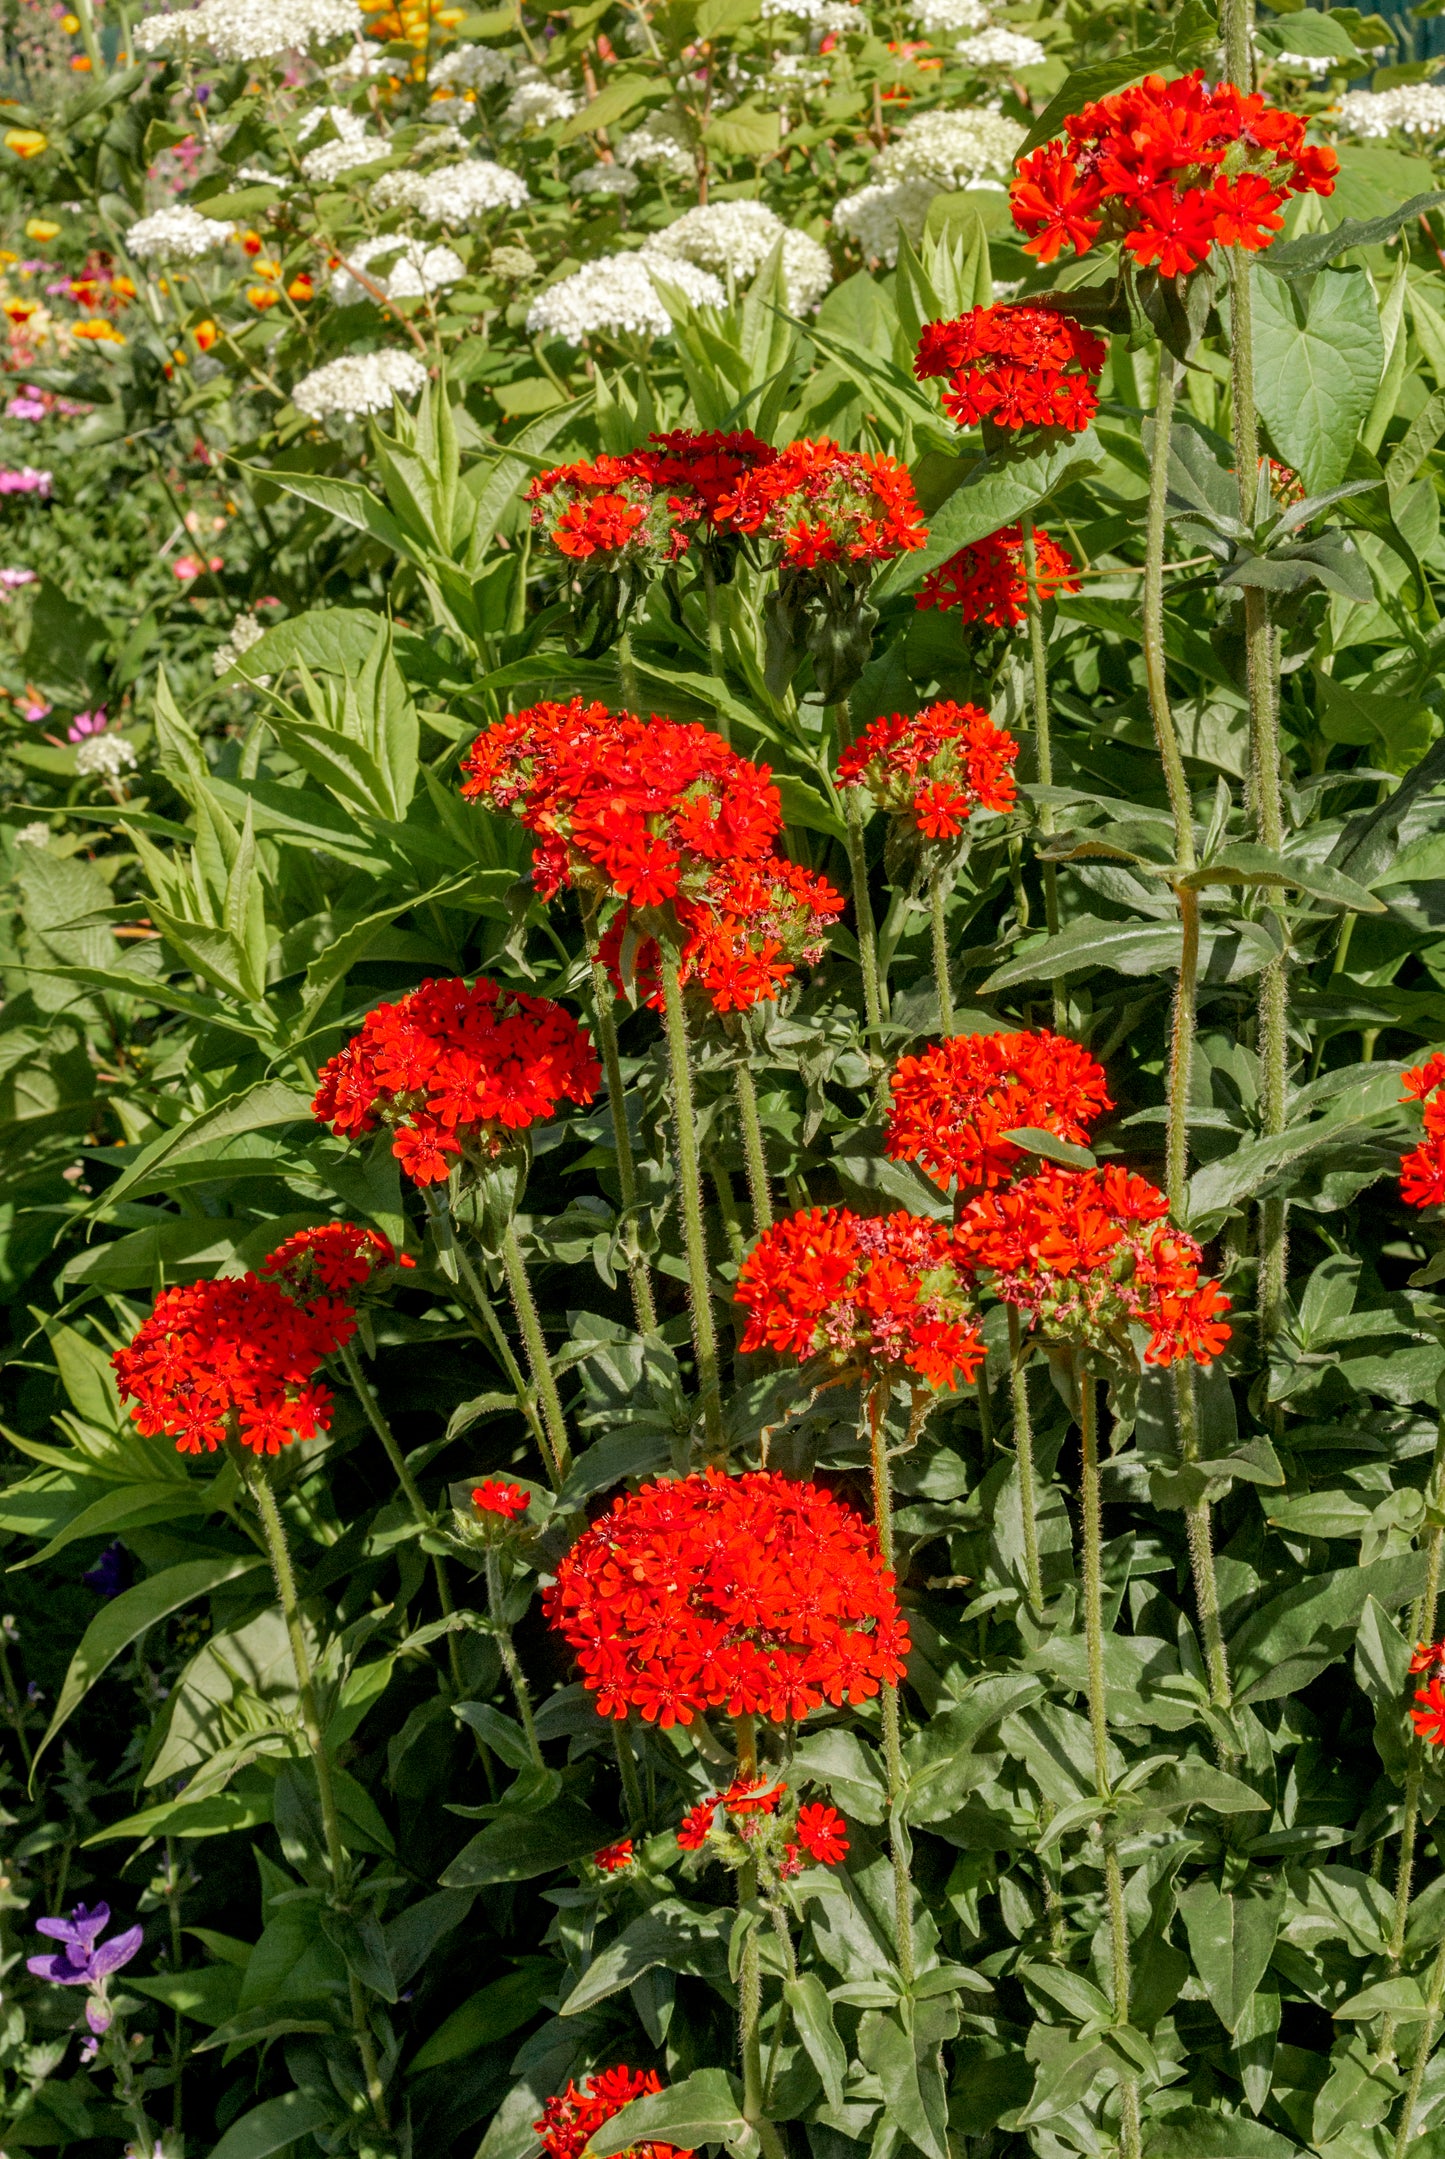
(735, 239)
(178, 234)
(246, 631)
(327, 163)
(406, 269)
(537, 103)
(349, 126)
(362, 64)
(795, 74)
(935, 17)
(474, 67)
(457, 195)
(1001, 48)
(237, 30)
(362, 382)
(876, 215)
(1416, 108)
(841, 16)
(952, 149)
(512, 262)
(108, 755)
(1303, 63)
(606, 180)
(617, 293)
(397, 191)
(35, 834)
(658, 142)
(259, 176)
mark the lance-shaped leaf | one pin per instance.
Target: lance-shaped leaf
(1231, 1940)
(1246, 864)
(807, 1997)
(1301, 258)
(705, 2108)
(1294, 1637)
(671, 1933)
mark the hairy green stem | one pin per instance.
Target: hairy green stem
(876, 1411)
(715, 664)
(867, 939)
(178, 2032)
(506, 1647)
(1023, 1437)
(694, 1236)
(938, 922)
(627, 672)
(1423, 1630)
(544, 1378)
(750, 1972)
(273, 1530)
(627, 1771)
(755, 1158)
(1043, 744)
(639, 1278)
(1404, 2133)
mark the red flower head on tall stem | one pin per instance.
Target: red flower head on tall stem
(1089, 1256)
(869, 1294)
(1170, 170)
(934, 768)
(570, 2120)
(453, 1071)
(954, 1104)
(1014, 366)
(233, 1359)
(1422, 1171)
(335, 1259)
(820, 504)
(743, 939)
(692, 470)
(755, 1594)
(606, 514)
(986, 582)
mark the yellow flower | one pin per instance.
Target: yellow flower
(25, 141)
(70, 24)
(40, 228)
(99, 331)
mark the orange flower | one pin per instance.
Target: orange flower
(261, 297)
(205, 334)
(301, 289)
(98, 331)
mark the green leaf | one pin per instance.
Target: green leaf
(347, 500)
(127, 1617)
(132, 1507)
(1231, 1940)
(913, 2092)
(1302, 257)
(999, 490)
(255, 1109)
(1194, 31)
(1245, 864)
(1227, 953)
(705, 2108)
(613, 102)
(673, 1934)
(208, 1996)
(1197, 2133)
(494, 2012)
(519, 1848)
(807, 1997)
(1317, 364)
(1294, 1637)
(273, 2125)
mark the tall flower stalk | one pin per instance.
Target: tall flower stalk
(694, 1232)
(639, 1278)
(1043, 742)
(938, 891)
(875, 1400)
(529, 1319)
(755, 1157)
(1023, 1438)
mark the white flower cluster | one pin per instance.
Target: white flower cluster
(473, 67)
(237, 30)
(536, 103)
(246, 631)
(406, 270)
(936, 17)
(734, 239)
(362, 64)
(1001, 48)
(178, 234)
(794, 75)
(1416, 108)
(457, 195)
(605, 180)
(934, 154)
(843, 17)
(35, 834)
(360, 383)
(658, 142)
(616, 294)
(1304, 63)
(106, 756)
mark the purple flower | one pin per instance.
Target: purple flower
(84, 1960)
(25, 407)
(86, 723)
(111, 1572)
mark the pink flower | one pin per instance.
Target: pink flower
(33, 708)
(12, 580)
(27, 406)
(186, 567)
(86, 723)
(27, 481)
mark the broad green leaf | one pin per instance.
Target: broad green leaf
(705, 2108)
(1198, 2133)
(1231, 1940)
(1246, 864)
(347, 500)
(1227, 953)
(1316, 368)
(672, 1934)
(493, 2013)
(255, 1109)
(1294, 1637)
(517, 1848)
(618, 97)
(127, 1617)
(1302, 257)
(273, 2125)
(807, 1997)
(999, 490)
(129, 1507)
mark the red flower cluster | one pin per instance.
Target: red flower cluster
(747, 934)
(697, 469)
(1428, 1657)
(648, 505)
(1088, 1254)
(756, 1594)
(1171, 169)
(656, 813)
(454, 1067)
(497, 1497)
(868, 1293)
(934, 767)
(571, 2120)
(821, 1832)
(1016, 366)
(614, 1858)
(1429, 1717)
(820, 504)
(1422, 1172)
(816, 1829)
(335, 1259)
(953, 1105)
(986, 581)
(233, 1359)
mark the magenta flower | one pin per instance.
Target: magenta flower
(27, 406)
(27, 481)
(12, 580)
(86, 723)
(83, 1960)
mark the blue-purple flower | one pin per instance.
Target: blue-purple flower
(83, 1960)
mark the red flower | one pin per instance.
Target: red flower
(1422, 1172)
(818, 503)
(935, 767)
(1088, 1255)
(821, 1832)
(752, 1795)
(609, 509)
(600, 526)
(1428, 1657)
(954, 1104)
(570, 2121)
(613, 1858)
(694, 1828)
(744, 937)
(1016, 366)
(337, 1256)
(756, 1594)
(233, 1359)
(452, 1069)
(986, 581)
(696, 469)
(1429, 1718)
(1148, 167)
(868, 1293)
(498, 1497)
